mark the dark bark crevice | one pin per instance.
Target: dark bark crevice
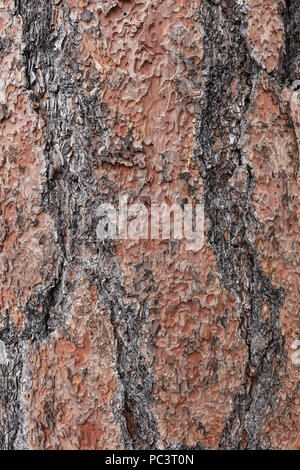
(229, 211)
(289, 63)
(54, 78)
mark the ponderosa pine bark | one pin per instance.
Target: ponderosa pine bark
(144, 344)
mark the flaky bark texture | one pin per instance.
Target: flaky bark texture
(145, 344)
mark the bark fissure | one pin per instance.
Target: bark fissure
(68, 184)
(135, 378)
(290, 55)
(229, 211)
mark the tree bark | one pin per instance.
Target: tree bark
(146, 344)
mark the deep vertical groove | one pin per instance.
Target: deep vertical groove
(229, 210)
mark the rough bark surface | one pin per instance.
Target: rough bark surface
(145, 344)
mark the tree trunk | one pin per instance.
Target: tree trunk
(145, 343)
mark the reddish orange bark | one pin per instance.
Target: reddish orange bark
(145, 343)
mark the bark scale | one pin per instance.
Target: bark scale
(145, 344)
